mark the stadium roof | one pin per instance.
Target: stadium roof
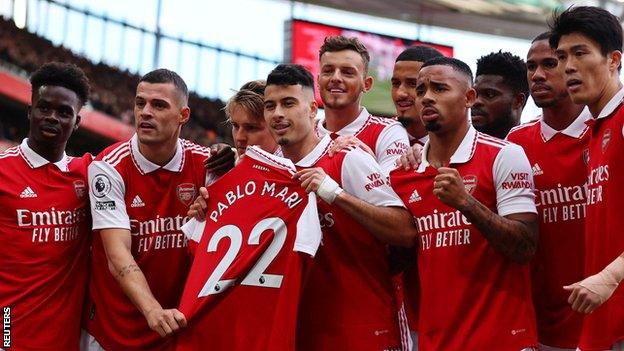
(513, 18)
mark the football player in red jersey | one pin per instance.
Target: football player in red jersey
(556, 146)
(349, 279)
(140, 192)
(588, 43)
(44, 219)
(472, 198)
(502, 93)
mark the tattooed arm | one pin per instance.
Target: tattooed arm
(514, 236)
(121, 263)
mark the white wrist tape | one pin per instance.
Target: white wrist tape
(328, 190)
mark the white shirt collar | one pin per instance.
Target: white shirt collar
(274, 159)
(319, 150)
(576, 129)
(463, 154)
(615, 101)
(146, 166)
(349, 129)
(35, 160)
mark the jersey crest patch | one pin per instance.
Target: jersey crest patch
(186, 193)
(80, 188)
(470, 182)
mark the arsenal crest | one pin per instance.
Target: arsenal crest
(606, 137)
(80, 188)
(186, 193)
(586, 156)
(470, 182)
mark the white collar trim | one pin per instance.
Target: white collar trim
(576, 129)
(35, 160)
(463, 154)
(615, 101)
(146, 166)
(349, 129)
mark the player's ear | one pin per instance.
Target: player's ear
(185, 114)
(471, 97)
(368, 84)
(519, 101)
(78, 119)
(615, 60)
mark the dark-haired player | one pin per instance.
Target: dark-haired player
(502, 93)
(140, 193)
(44, 219)
(472, 199)
(588, 43)
(404, 76)
(556, 146)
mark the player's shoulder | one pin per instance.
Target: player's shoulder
(9, 154)
(80, 162)
(489, 142)
(115, 153)
(524, 130)
(195, 151)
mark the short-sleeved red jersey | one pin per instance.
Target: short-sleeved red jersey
(44, 235)
(471, 297)
(260, 233)
(130, 192)
(559, 163)
(348, 301)
(604, 222)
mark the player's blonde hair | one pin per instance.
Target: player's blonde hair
(250, 97)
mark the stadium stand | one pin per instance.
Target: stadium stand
(112, 90)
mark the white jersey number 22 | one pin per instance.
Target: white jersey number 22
(255, 277)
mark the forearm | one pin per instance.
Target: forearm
(391, 225)
(515, 238)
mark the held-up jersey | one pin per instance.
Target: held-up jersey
(348, 301)
(385, 136)
(559, 163)
(260, 233)
(130, 192)
(471, 297)
(604, 222)
(44, 235)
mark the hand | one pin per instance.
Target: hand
(593, 291)
(411, 158)
(165, 322)
(310, 178)
(197, 209)
(448, 186)
(222, 159)
(345, 142)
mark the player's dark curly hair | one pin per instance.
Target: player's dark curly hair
(593, 22)
(457, 65)
(507, 65)
(64, 75)
(290, 74)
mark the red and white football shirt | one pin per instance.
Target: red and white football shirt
(44, 235)
(559, 163)
(260, 233)
(385, 136)
(604, 222)
(348, 301)
(471, 297)
(128, 191)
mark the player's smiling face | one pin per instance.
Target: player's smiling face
(289, 112)
(342, 79)
(53, 115)
(248, 129)
(159, 112)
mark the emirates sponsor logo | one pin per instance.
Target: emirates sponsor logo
(561, 194)
(537, 170)
(27, 218)
(414, 197)
(441, 220)
(157, 225)
(186, 193)
(470, 183)
(28, 193)
(137, 202)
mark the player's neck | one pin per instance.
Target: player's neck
(52, 153)
(159, 154)
(416, 130)
(443, 145)
(561, 115)
(297, 151)
(612, 88)
(336, 119)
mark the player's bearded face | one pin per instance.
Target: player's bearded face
(443, 95)
(342, 79)
(53, 115)
(158, 113)
(545, 75)
(288, 113)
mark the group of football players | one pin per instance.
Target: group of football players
(429, 231)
